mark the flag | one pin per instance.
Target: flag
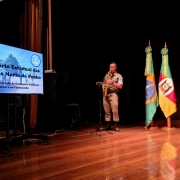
(167, 99)
(151, 93)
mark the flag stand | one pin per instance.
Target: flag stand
(169, 128)
(151, 126)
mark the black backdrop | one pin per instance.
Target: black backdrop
(87, 36)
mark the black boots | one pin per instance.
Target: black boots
(108, 126)
(116, 127)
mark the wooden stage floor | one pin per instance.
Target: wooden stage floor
(133, 153)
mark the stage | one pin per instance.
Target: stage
(132, 153)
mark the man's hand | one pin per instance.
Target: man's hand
(108, 81)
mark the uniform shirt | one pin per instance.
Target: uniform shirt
(116, 78)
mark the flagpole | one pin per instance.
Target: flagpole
(152, 124)
(169, 122)
(169, 128)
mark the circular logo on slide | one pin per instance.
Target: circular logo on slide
(166, 86)
(35, 60)
(149, 90)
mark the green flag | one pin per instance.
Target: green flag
(151, 101)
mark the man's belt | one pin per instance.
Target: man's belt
(112, 91)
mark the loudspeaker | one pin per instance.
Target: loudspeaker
(48, 115)
(51, 114)
(52, 106)
(50, 80)
(73, 115)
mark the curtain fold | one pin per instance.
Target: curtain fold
(31, 39)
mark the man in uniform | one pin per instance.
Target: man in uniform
(111, 85)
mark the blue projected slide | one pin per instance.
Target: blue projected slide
(21, 71)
